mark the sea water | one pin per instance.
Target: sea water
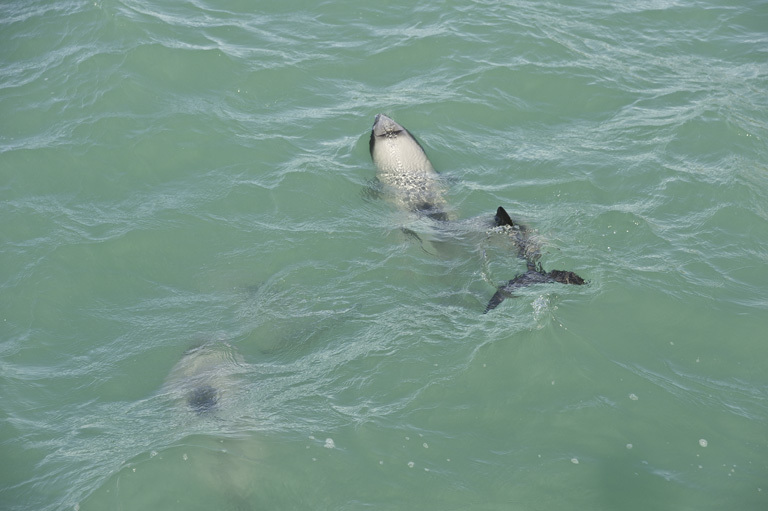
(177, 175)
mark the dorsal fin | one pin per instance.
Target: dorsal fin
(502, 218)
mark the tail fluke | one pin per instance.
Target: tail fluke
(534, 275)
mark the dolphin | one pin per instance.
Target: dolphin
(204, 376)
(408, 176)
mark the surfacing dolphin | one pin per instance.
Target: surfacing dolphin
(404, 169)
(407, 174)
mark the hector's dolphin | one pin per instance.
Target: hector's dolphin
(410, 179)
(205, 376)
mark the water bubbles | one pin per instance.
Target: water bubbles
(329, 443)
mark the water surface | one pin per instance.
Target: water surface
(177, 175)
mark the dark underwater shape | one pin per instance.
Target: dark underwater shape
(537, 275)
(203, 399)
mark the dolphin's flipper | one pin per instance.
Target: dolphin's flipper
(440, 216)
(534, 275)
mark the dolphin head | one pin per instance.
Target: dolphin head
(384, 126)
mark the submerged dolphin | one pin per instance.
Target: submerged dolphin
(407, 174)
(204, 376)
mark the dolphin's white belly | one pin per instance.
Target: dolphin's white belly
(404, 169)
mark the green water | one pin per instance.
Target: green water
(185, 174)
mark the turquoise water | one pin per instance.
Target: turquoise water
(196, 174)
